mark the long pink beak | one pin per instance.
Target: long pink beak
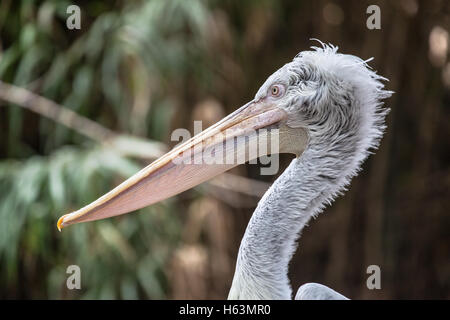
(178, 170)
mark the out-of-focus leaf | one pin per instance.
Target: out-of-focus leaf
(34, 193)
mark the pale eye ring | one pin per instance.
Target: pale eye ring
(276, 90)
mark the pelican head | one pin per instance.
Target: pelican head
(323, 101)
(335, 97)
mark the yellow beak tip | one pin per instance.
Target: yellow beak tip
(60, 224)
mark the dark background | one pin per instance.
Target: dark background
(144, 68)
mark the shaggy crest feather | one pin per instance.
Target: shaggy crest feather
(338, 99)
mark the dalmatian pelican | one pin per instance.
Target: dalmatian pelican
(326, 108)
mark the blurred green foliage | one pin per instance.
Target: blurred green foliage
(96, 71)
(35, 192)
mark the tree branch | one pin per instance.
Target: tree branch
(49, 109)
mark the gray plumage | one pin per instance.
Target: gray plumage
(338, 99)
(317, 291)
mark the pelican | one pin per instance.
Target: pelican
(327, 109)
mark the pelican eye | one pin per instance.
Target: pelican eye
(276, 90)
